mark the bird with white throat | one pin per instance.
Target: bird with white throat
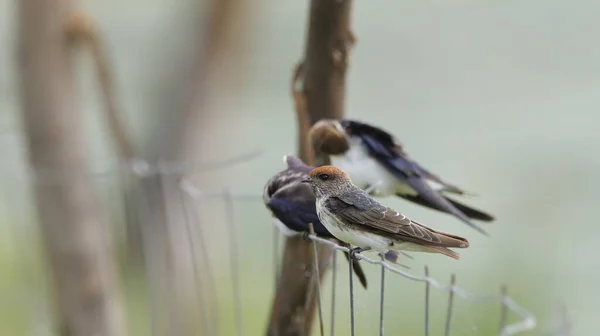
(355, 217)
(292, 204)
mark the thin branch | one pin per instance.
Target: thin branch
(302, 116)
(82, 30)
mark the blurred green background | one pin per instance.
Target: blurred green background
(499, 97)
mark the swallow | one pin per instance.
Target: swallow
(355, 217)
(293, 205)
(377, 163)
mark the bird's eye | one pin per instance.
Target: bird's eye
(323, 177)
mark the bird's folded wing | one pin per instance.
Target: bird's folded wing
(389, 152)
(390, 155)
(388, 222)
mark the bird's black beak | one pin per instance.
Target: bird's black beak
(307, 180)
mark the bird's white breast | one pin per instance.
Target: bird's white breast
(355, 237)
(365, 171)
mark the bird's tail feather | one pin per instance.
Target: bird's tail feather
(432, 199)
(445, 239)
(471, 212)
(465, 209)
(450, 240)
(443, 250)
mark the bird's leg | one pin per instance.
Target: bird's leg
(356, 250)
(305, 235)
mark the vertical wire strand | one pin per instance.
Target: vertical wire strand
(309, 294)
(276, 255)
(450, 303)
(503, 307)
(427, 289)
(233, 248)
(351, 282)
(382, 295)
(317, 279)
(333, 282)
(154, 288)
(168, 217)
(197, 276)
(212, 288)
(308, 298)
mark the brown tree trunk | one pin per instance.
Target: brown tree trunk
(73, 223)
(321, 95)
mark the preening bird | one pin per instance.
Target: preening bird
(292, 203)
(377, 163)
(355, 217)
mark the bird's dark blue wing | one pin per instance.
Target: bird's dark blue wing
(297, 215)
(388, 151)
(390, 157)
(381, 146)
(467, 210)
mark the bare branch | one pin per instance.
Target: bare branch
(82, 30)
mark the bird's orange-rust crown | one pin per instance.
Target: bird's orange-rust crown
(329, 170)
(326, 138)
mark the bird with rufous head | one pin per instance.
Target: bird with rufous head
(355, 217)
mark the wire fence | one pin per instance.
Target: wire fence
(191, 199)
(527, 320)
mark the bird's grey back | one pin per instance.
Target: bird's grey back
(360, 199)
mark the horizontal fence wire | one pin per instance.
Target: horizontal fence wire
(139, 167)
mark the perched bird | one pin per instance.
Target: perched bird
(377, 163)
(292, 203)
(353, 216)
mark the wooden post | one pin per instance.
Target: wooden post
(73, 222)
(318, 89)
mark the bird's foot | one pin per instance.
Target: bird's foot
(356, 250)
(306, 236)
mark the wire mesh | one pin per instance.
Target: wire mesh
(193, 198)
(527, 322)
